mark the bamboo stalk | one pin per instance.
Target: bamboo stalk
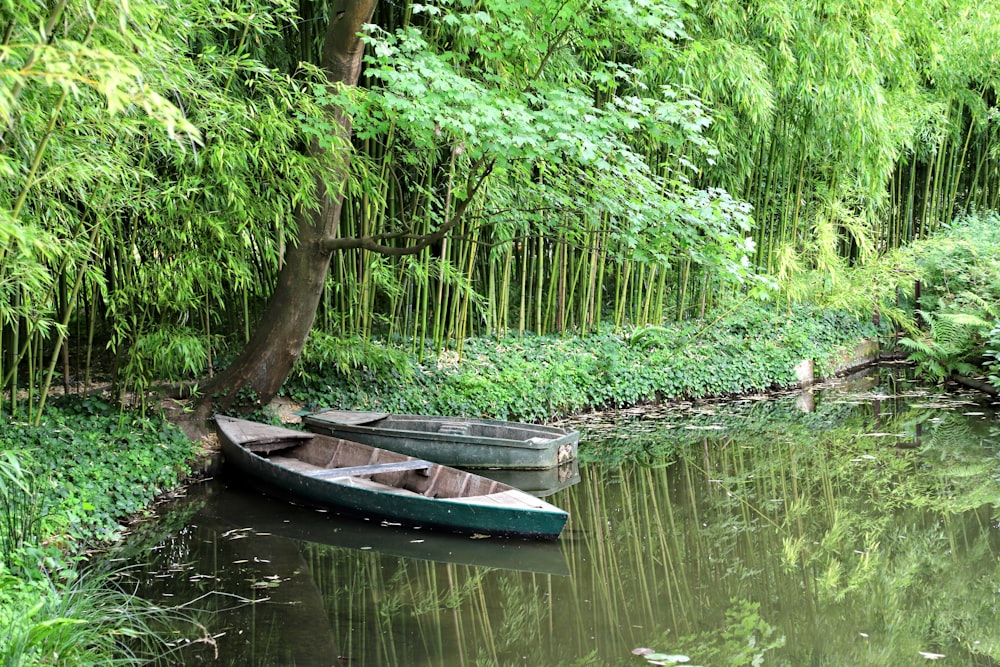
(539, 284)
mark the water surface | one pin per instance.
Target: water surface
(851, 525)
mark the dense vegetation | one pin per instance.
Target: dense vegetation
(631, 164)
(65, 485)
(642, 201)
(543, 378)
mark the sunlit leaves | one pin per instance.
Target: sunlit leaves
(154, 165)
(588, 148)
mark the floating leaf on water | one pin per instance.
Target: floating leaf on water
(931, 656)
(415, 541)
(666, 658)
(641, 651)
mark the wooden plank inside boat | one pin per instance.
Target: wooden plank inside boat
(262, 438)
(351, 417)
(354, 471)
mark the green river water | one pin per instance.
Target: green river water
(856, 524)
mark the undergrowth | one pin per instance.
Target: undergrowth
(540, 378)
(64, 486)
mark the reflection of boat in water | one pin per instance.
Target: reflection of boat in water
(331, 472)
(235, 507)
(540, 483)
(463, 442)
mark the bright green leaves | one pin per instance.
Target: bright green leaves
(154, 169)
(568, 114)
(852, 127)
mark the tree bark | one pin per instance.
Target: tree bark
(277, 341)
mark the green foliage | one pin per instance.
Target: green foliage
(154, 170)
(93, 466)
(633, 162)
(20, 507)
(952, 339)
(167, 353)
(86, 622)
(992, 354)
(539, 378)
(354, 360)
(959, 300)
(64, 485)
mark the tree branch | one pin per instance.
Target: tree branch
(374, 243)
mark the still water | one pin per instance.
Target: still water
(851, 525)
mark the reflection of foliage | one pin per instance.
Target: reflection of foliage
(651, 433)
(861, 515)
(744, 640)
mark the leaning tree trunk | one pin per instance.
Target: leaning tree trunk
(277, 342)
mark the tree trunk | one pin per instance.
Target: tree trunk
(278, 339)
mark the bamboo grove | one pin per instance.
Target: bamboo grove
(616, 164)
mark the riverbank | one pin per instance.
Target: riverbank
(67, 486)
(540, 379)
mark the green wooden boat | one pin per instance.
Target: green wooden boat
(469, 443)
(359, 479)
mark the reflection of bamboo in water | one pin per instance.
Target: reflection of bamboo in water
(658, 552)
(655, 480)
(429, 625)
(488, 642)
(456, 618)
(386, 604)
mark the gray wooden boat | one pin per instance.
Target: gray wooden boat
(453, 441)
(332, 472)
(538, 482)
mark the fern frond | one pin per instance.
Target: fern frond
(918, 346)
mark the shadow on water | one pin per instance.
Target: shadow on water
(851, 525)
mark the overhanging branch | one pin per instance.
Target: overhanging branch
(418, 242)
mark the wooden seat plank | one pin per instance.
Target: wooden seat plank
(374, 469)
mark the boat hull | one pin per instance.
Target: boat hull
(242, 508)
(473, 444)
(484, 513)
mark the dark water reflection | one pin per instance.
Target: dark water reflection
(855, 525)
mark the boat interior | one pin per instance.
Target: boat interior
(328, 457)
(473, 428)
